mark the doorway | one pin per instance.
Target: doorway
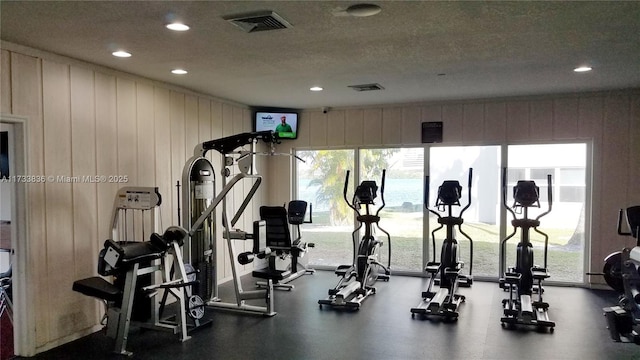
(15, 339)
(7, 221)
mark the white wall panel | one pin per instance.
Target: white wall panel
(495, 122)
(411, 125)
(565, 118)
(178, 136)
(354, 127)
(127, 129)
(162, 158)
(518, 121)
(541, 119)
(145, 122)
(318, 129)
(452, 123)
(372, 126)
(59, 207)
(192, 124)
(5, 82)
(473, 122)
(391, 126)
(85, 205)
(335, 128)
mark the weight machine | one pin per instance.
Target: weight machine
(279, 240)
(446, 273)
(623, 320)
(519, 308)
(134, 266)
(203, 216)
(357, 280)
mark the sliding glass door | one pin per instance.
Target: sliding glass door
(402, 216)
(482, 218)
(565, 224)
(320, 182)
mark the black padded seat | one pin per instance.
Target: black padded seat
(275, 275)
(97, 287)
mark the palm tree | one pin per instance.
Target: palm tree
(328, 169)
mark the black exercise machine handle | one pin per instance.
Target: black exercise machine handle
(549, 197)
(504, 192)
(384, 171)
(344, 194)
(426, 196)
(469, 189)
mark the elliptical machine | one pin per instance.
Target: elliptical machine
(357, 280)
(623, 320)
(444, 302)
(519, 308)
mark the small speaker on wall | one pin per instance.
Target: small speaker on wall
(432, 132)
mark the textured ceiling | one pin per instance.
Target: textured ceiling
(418, 51)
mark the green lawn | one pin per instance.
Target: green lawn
(334, 247)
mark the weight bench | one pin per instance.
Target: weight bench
(129, 260)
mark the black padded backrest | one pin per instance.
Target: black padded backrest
(633, 218)
(296, 212)
(278, 236)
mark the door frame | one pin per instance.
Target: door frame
(23, 320)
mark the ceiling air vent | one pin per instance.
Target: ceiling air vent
(366, 87)
(258, 21)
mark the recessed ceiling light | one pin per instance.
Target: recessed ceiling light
(179, 71)
(582, 69)
(316, 88)
(177, 27)
(122, 54)
(362, 10)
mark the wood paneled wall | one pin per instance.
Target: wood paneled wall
(610, 120)
(85, 120)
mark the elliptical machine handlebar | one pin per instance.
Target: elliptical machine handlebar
(384, 171)
(344, 193)
(469, 190)
(549, 197)
(504, 193)
(426, 197)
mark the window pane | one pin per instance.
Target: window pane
(402, 215)
(481, 220)
(320, 181)
(565, 224)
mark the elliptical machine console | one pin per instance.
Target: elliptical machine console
(447, 273)
(357, 280)
(519, 308)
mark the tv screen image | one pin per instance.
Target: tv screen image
(283, 123)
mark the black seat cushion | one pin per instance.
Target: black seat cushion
(97, 287)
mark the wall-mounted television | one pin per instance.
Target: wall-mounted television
(283, 122)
